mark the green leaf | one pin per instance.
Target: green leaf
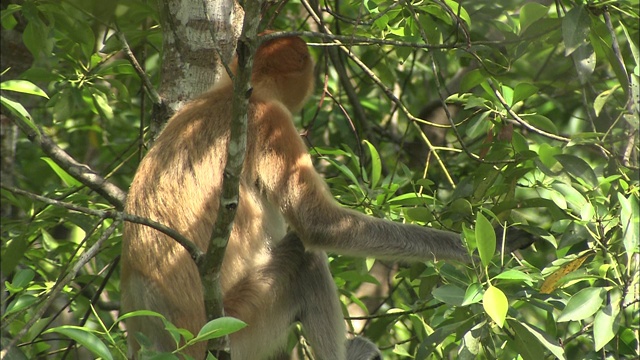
(485, 238)
(515, 275)
(176, 333)
(449, 294)
(23, 86)
(607, 322)
(140, 313)
(376, 164)
(344, 170)
(219, 327)
(547, 154)
(601, 40)
(117, 67)
(471, 347)
(461, 207)
(578, 168)
(18, 110)
(21, 280)
(495, 304)
(575, 29)
(602, 99)
(530, 13)
(541, 122)
(460, 11)
(421, 214)
(473, 294)
(583, 304)
(20, 303)
(524, 90)
(36, 38)
(584, 59)
(479, 125)
(507, 94)
(84, 337)
(471, 79)
(9, 21)
(527, 339)
(13, 253)
(62, 174)
(572, 196)
(629, 220)
(101, 104)
(411, 199)
(632, 45)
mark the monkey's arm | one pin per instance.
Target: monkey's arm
(287, 175)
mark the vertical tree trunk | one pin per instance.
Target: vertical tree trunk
(198, 35)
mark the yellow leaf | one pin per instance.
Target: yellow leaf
(551, 282)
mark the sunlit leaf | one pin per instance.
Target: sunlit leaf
(607, 321)
(602, 99)
(485, 238)
(495, 304)
(86, 338)
(630, 221)
(583, 304)
(62, 174)
(18, 110)
(574, 198)
(523, 90)
(23, 86)
(515, 275)
(376, 164)
(219, 327)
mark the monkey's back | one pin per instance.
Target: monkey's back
(178, 184)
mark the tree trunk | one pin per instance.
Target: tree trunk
(198, 36)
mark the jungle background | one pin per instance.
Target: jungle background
(456, 115)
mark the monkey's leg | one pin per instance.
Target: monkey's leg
(293, 286)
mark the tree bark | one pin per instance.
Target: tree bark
(198, 36)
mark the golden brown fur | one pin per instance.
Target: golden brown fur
(269, 280)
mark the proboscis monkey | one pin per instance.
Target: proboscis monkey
(275, 271)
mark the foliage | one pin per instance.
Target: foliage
(544, 99)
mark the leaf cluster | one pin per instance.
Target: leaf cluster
(540, 129)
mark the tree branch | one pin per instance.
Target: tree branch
(151, 91)
(211, 263)
(55, 291)
(194, 251)
(83, 173)
(525, 124)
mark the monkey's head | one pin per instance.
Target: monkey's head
(283, 71)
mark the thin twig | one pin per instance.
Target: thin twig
(517, 118)
(55, 291)
(151, 91)
(187, 244)
(82, 172)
